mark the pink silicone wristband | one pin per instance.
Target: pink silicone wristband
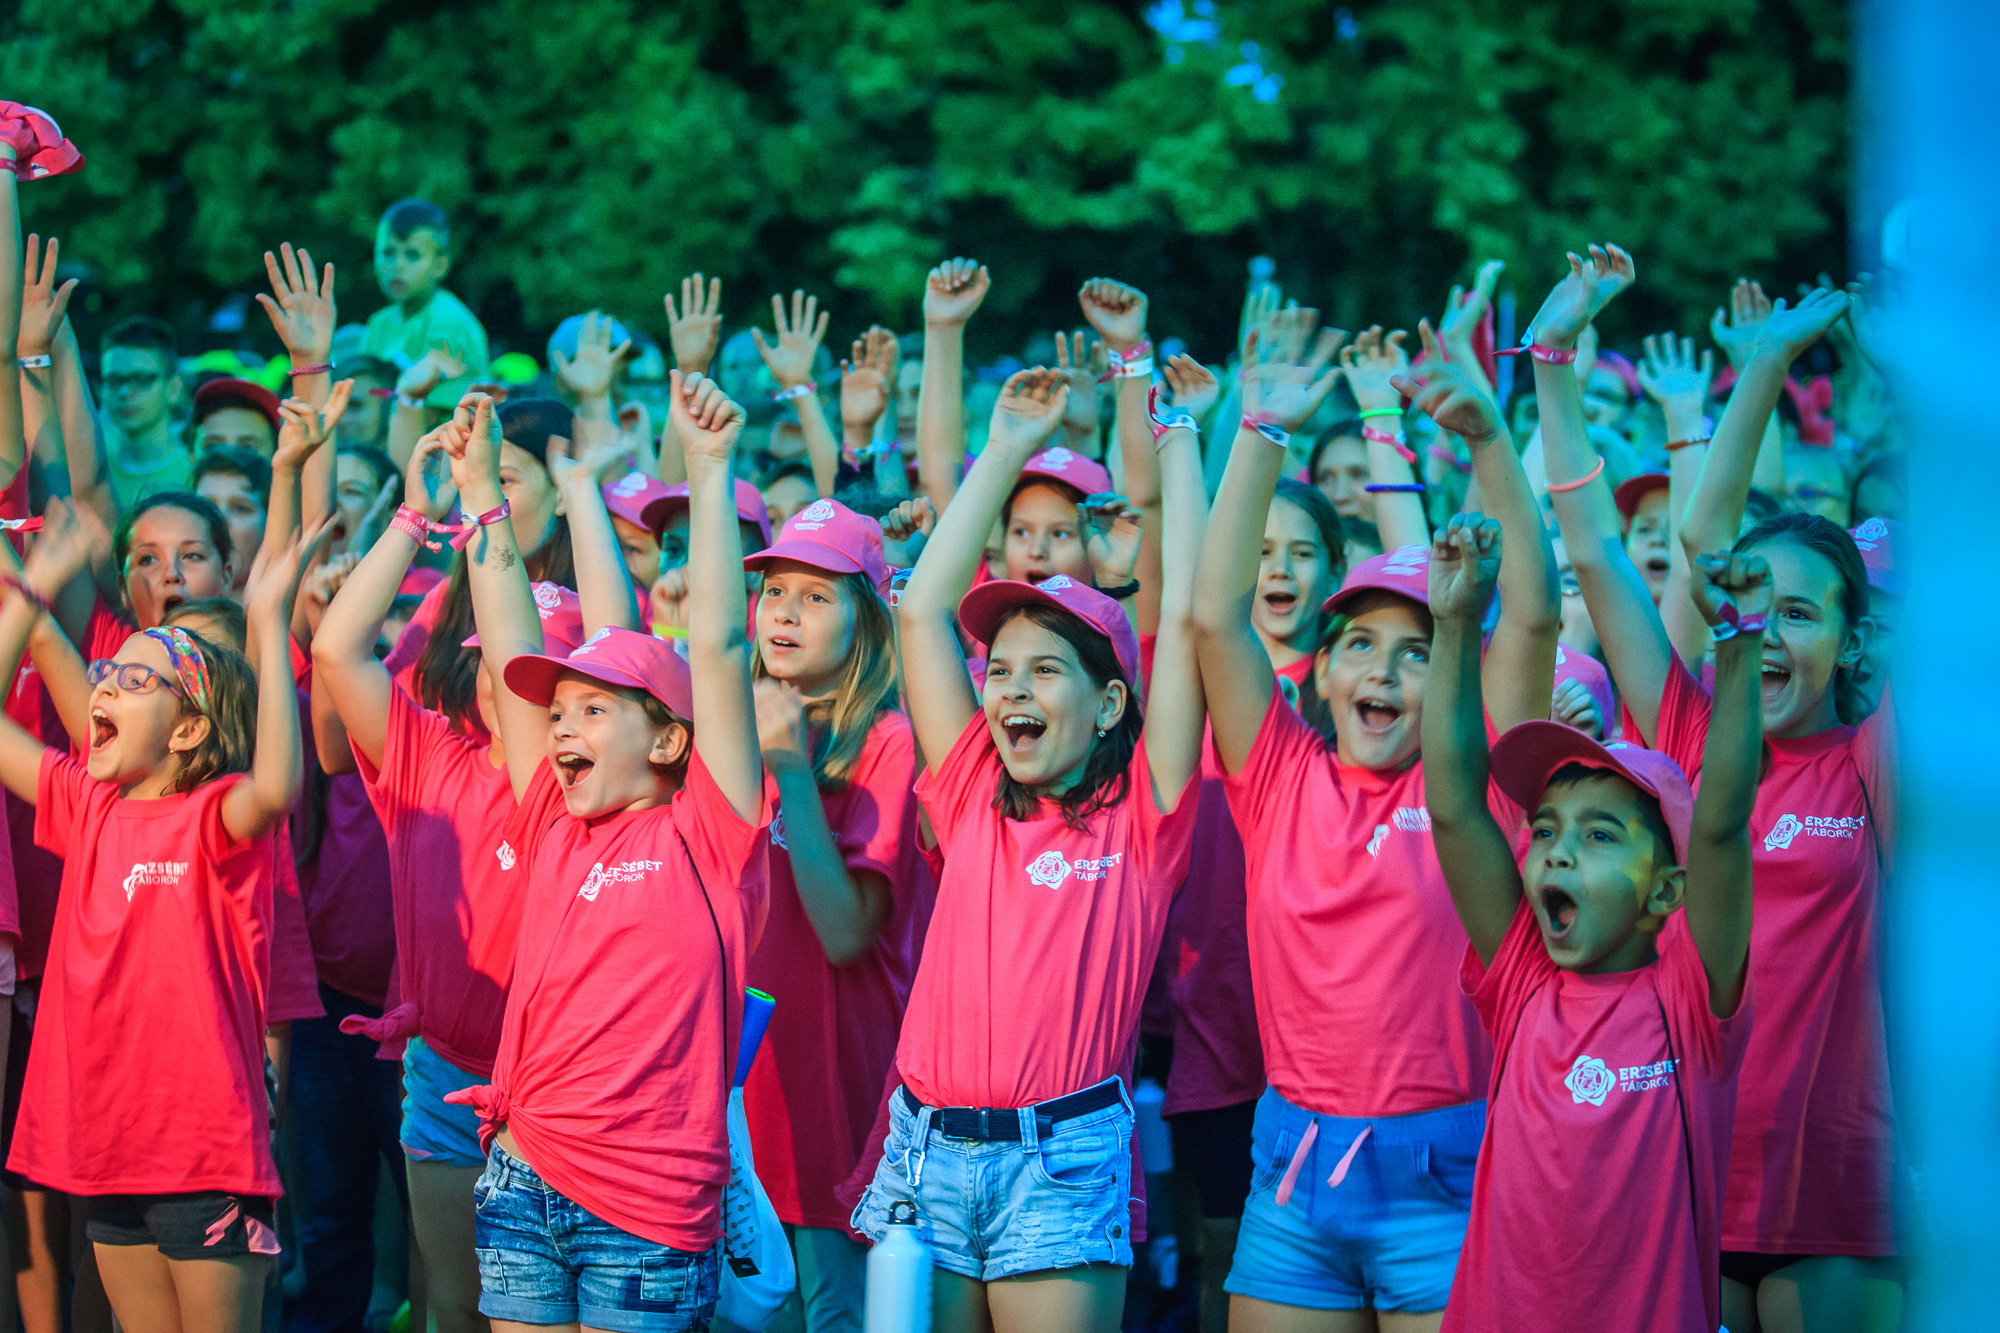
(1582, 481)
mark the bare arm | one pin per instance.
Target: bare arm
(1175, 709)
(1118, 313)
(1674, 378)
(603, 582)
(1370, 366)
(717, 607)
(1477, 860)
(1718, 859)
(940, 694)
(43, 305)
(13, 439)
(951, 294)
(277, 768)
(302, 311)
(20, 753)
(791, 364)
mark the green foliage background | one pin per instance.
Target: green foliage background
(594, 151)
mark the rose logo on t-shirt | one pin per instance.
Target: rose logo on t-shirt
(1779, 839)
(152, 872)
(1376, 839)
(547, 596)
(506, 855)
(1049, 870)
(625, 872)
(1589, 1080)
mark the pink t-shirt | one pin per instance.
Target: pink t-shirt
(444, 808)
(813, 1093)
(1218, 1060)
(147, 1071)
(402, 659)
(1815, 1139)
(1354, 942)
(1043, 938)
(294, 989)
(623, 1017)
(37, 874)
(1612, 1095)
(349, 912)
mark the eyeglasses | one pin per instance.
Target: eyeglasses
(136, 383)
(131, 677)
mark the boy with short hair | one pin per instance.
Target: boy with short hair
(235, 413)
(1617, 1029)
(412, 256)
(139, 373)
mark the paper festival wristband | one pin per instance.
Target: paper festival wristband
(1735, 622)
(804, 389)
(1554, 356)
(1395, 442)
(1161, 425)
(1130, 365)
(1264, 425)
(1582, 481)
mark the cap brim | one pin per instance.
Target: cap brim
(804, 553)
(1345, 595)
(981, 610)
(533, 676)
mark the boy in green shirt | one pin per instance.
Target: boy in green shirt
(412, 255)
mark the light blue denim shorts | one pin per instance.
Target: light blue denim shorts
(432, 1130)
(544, 1259)
(1058, 1198)
(1386, 1237)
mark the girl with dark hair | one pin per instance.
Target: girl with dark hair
(1364, 1142)
(1064, 819)
(1302, 561)
(1807, 1225)
(849, 894)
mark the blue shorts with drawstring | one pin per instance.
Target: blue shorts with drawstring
(1386, 1237)
(1060, 1197)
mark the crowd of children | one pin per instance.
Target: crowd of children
(1471, 809)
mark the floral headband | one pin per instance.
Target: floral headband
(188, 663)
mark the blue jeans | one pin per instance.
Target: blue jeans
(346, 1111)
(545, 1259)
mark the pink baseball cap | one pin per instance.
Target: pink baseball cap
(562, 618)
(1070, 468)
(39, 147)
(1526, 757)
(982, 610)
(827, 535)
(1633, 490)
(1877, 540)
(419, 581)
(619, 657)
(628, 496)
(1405, 570)
(1574, 665)
(749, 507)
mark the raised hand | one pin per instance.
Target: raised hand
(1573, 705)
(705, 418)
(1284, 390)
(1727, 588)
(1735, 331)
(274, 583)
(303, 311)
(1671, 374)
(791, 361)
(1463, 310)
(472, 438)
(443, 362)
(324, 584)
(1195, 386)
(865, 380)
(1371, 365)
(427, 483)
(1080, 369)
(781, 723)
(566, 470)
(1286, 331)
(1031, 406)
(1789, 332)
(954, 290)
(1576, 300)
(1447, 394)
(304, 429)
(694, 328)
(588, 374)
(669, 599)
(1465, 564)
(1116, 526)
(908, 519)
(70, 536)
(1116, 310)
(1259, 303)
(43, 304)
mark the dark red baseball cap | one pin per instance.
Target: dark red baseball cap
(1633, 491)
(232, 392)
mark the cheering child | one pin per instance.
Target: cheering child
(1618, 1029)
(608, 1149)
(1065, 822)
(156, 977)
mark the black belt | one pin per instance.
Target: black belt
(989, 1125)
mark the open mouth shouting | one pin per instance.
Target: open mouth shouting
(103, 731)
(1281, 604)
(1378, 717)
(1558, 912)
(572, 768)
(1023, 732)
(1775, 677)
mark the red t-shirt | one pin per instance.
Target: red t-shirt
(37, 874)
(294, 988)
(1815, 1139)
(1218, 1060)
(416, 636)
(349, 912)
(147, 1071)
(1043, 938)
(1354, 942)
(1612, 1094)
(444, 808)
(813, 1092)
(622, 1020)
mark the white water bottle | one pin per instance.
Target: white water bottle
(899, 1277)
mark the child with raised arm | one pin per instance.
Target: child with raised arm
(1364, 1141)
(145, 1087)
(1617, 1028)
(644, 854)
(1064, 820)
(444, 801)
(1808, 1232)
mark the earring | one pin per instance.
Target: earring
(1100, 733)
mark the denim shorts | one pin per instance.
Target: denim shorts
(1386, 1237)
(546, 1260)
(993, 1210)
(432, 1130)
